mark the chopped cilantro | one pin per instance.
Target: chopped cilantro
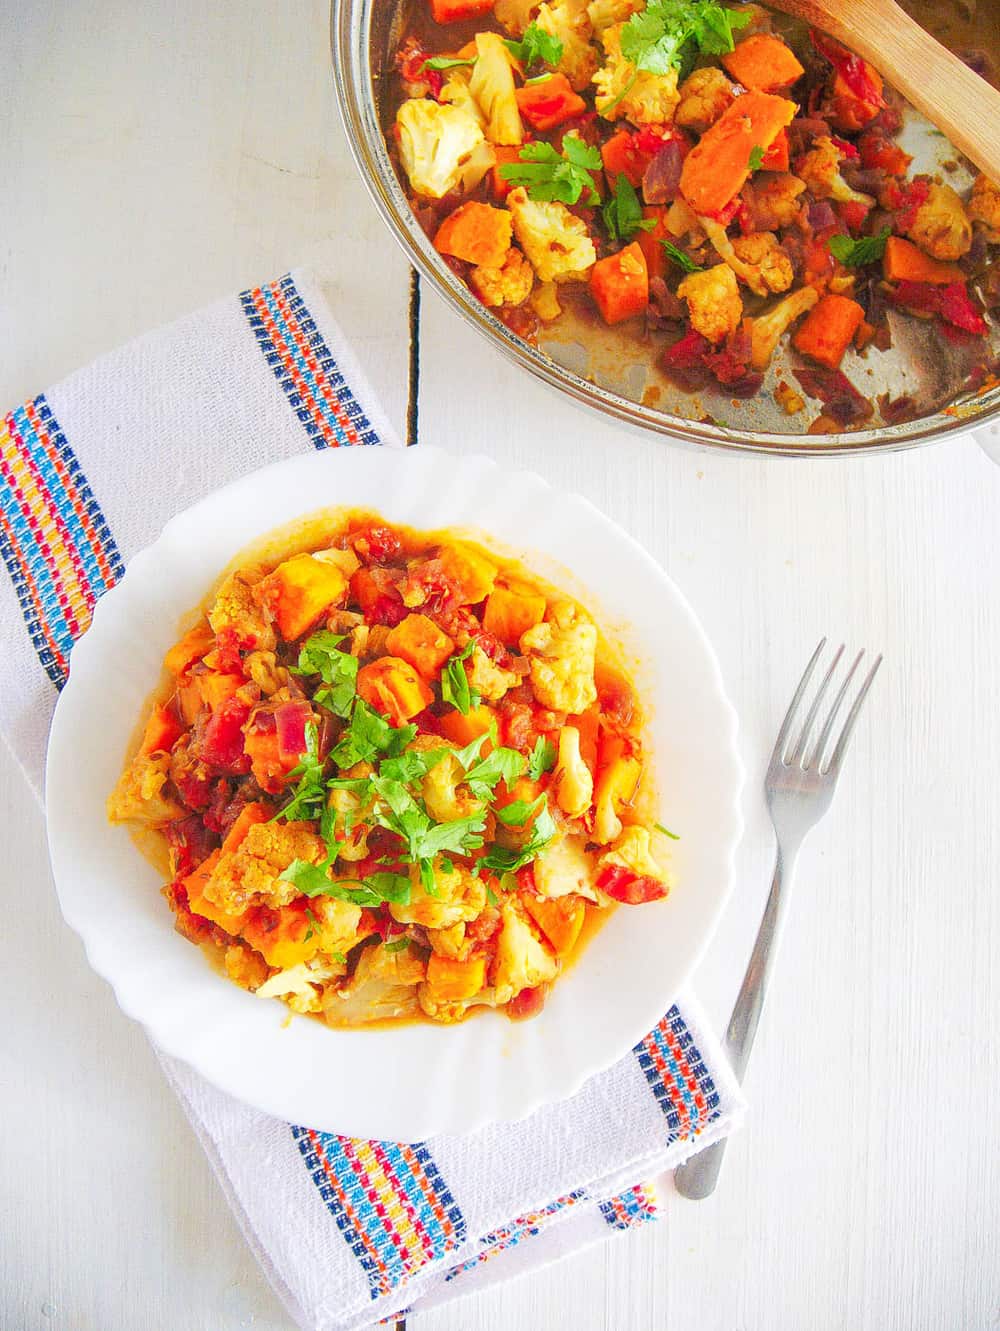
(339, 956)
(536, 47)
(312, 880)
(546, 175)
(667, 34)
(543, 758)
(666, 832)
(517, 813)
(397, 944)
(492, 897)
(338, 670)
(309, 796)
(756, 160)
(622, 211)
(446, 62)
(501, 860)
(369, 735)
(501, 765)
(856, 253)
(455, 682)
(678, 257)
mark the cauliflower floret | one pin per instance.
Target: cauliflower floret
(820, 169)
(561, 655)
(492, 85)
(515, 15)
(940, 225)
(444, 795)
(616, 788)
(245, 967)
(523, 961)
(767, 329)
(558, 245)
(263, 669)
(682, 221)
(236, 608)
(301, 986)
(456, 92)
(336, 924)
(645, 99)
(768, 267)
(605, 13)
(545, 302)
(435, 142)
(775, 199)
(574, 785)
(569, 22)
(631, 850)
(509, 285)
(487, 678)
(138, 797)
(450, 942)
(984, 206)
(249, 875)
(351, 826)
(460, 897)
(713, 300)
(704, 96)
(383, 987)
(565, 869)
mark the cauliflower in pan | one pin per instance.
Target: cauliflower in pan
(713, 300)
(776, 199)
(523, 961)
(236, 609)
(569, 21)
(631, 850)
(561, 654)
(565, 869)
(768, 329)
(606, 13)
(488, 679)
(623, 90)
(383, 986)
(460, 897)
(984, 206)
(515, 15)
(509, 285)
(762, 263)
(820, 169)
(456, 92)
(558, 245)
(300, 986)
(572, 781)
(941, 226)
(704, 96)
(139, 796)
(492, 85)
(435, 141)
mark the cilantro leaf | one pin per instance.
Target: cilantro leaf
(543, 758)
(455, 682)
(501, 860)
(668, 33)
(756, 159)
(856, 253)
(678, 257)
(536, 47)
(666, 832)
(412, 765)
(622, 212)
(548, 176)
(312, 881)
(517, 812)
(501, 765)
(320, 655)
(470, 753)
(397, 945)
(446, 62)
(309, 796)
(368, 735)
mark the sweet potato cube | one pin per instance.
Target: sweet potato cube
(214, 687)
(418, 640)
(454, 981)
(393, 687)
(477, 233)
(281, 936)
(619, 284)
(162, 730)
(195, 644)
(559, 918)
(828, 330)
(463, 730)
(903, 262)
(469, 571)
(194, 886)
(510, 613)
(762, 63)
(299, 590)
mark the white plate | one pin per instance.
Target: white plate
(407, 1082)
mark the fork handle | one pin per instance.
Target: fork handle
(697, 1177)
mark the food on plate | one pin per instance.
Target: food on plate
(719, 184)
(396, 774)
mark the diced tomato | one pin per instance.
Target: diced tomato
(376, 544)
(630, 888)
(847, 149)
(878, 152)
(190, 844)
(911, 197)
(376, 592)
(221, 745)
(852, 213)
(493, 647)
(526, 878)
(517, 725)
(953, 303)
(227, 647)
(622, 155)
(776, 158)
(687, 351)
(528, 1003)
(194, 785)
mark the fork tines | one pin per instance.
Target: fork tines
(816, 756)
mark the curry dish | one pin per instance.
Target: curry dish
(715, 180)
(395, 773)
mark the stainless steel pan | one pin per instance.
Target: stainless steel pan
(598, 366)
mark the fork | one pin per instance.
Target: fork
(799, 786)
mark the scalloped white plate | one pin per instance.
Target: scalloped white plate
(407, 1082)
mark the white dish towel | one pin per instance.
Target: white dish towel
(347, 1231)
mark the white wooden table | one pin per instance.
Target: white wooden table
(158, 155)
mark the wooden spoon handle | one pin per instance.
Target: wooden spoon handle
(952, 97)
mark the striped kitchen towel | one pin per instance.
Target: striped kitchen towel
(348, 1231)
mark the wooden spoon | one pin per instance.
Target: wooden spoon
(952, 97)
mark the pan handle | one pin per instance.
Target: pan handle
(988, 439)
